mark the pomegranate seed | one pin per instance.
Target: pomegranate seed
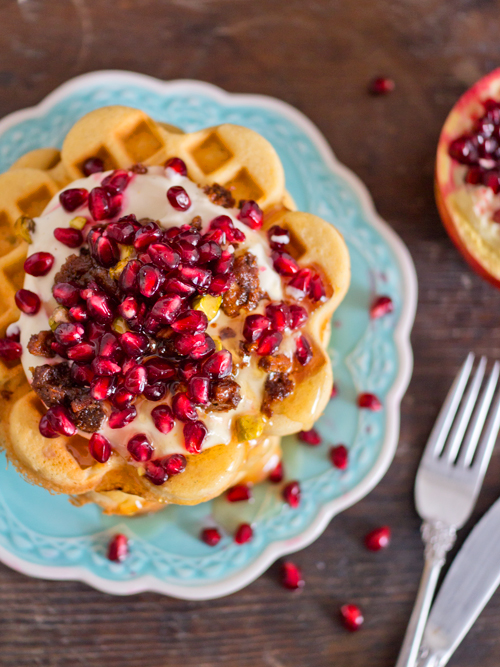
(163, 418)
(291, 576)
(109, 347)
(79, 313)
(39, 264)
(177, 165)
(183, 407)
(317, 290)
(59, 419)
(139, 448)
(81, 374)
(284, 264)
(156, 473)
(123, 417)
(66, 294)
(174, 464)
(103, 366)
(28, 302)
(166, 308)
(92, 165)
(13, 332)
(254, 326)
(339, 456)
(474, 176)
(73, 238)
(195, 276)
(278, 236)
(122, 398)
(190, 321)
(250, 214)
(378, 539)
(335, 391)
(117, 181)
(179, 287)
(303, 351)
(128, 364)
(81, 352)
(73, 198)
(164, 256)
(135, 380)
(68, 333)
(99, 308)
(187, 369)
(59, 349)
(298, 316)
(291, 494)
(194, 435)
(209, 251)
(276, 475)
(279, 315)
(381, 85)
(225, 224)
(102, 387)
(129, 308)
(269, 343)
(99, 448)
(186, 343)
(351, 617)
(178, 198)
(220, 284)
(298, 286)
(100, 204)
(10, 349)
(134, 344)
(203, 350)
(211, 536)
(118, 548)
(46, 429)
(464, 150)
(121, 231)
(369, 401)
(244, 533)
(147, 235)
(199, 390)
(238, 493)
(311, 437)
(105, 251)
(149, 280)
(225, 263)
(155, 392)
(192, 236)
(219, 365)
(128, 277)
(159, 370)
(381, 306)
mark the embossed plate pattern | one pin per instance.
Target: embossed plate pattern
(43, 535)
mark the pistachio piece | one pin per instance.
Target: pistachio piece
(78, 222)
(208, 304)
(116, 270)
(24, 228)
(119, 325)
(249, 427)
(126, 251)
(59, 314)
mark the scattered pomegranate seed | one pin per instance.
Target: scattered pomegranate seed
(81, 352)
(39, 264)
(99, 204)
(118, 548)
(69, 333)
(135, 380)
(103, 366)
(183, 407)
(177, 165)
(81, 374)
(79, 313)
(269, 343)
(194, 435)
(105, 251)
(199, 389)
(284, 264)
(317, 291)
(163, 418)
(155, 392)
(13, 332)
(279, 315)
(159, 369)
(299, 284)
(99, 308)
(339, 456)
(209, 252)
(378, 539)
(46, 429)
(381, 306)
(298, 316)
(28, 302)
(73, 198)
(291, 494)
(117, 181)
(166, 308)
(190, 321)
(311, 437)
(59, 419)
(250, 214)
(121, 231)
(139, 447)
(278, 236)
(122, 398)
(66, 294)
(92, 165)
(178, 198)
(244, 533)
(254, 326)
(303, 351)
(381, 85)
(73, 238)
(238, 493)
(10, 349)
(102, 387)
(99, 448)
(291, 576)
(174, 464)
(335, 391)
(121, 418)
(219, 365)
(276, 475)
(351, 617)
(369, 401)
(210, 536)
(155, 473)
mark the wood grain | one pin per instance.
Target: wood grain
(319, 56)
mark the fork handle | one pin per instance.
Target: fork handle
(438, 538)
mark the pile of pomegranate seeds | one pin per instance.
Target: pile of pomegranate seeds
(118, 548)
(479, 149)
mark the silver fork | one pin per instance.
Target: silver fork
(448, 480)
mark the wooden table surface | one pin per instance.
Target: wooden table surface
(318, 55)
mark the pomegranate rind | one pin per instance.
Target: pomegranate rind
(453, 203)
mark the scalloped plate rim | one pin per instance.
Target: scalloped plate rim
(401, 337)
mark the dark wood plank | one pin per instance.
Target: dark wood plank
(318, 56)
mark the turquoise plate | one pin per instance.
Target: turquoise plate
(44, 536)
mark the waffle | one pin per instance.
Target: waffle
(234, 157)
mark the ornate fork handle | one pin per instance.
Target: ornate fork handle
(438, 538)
